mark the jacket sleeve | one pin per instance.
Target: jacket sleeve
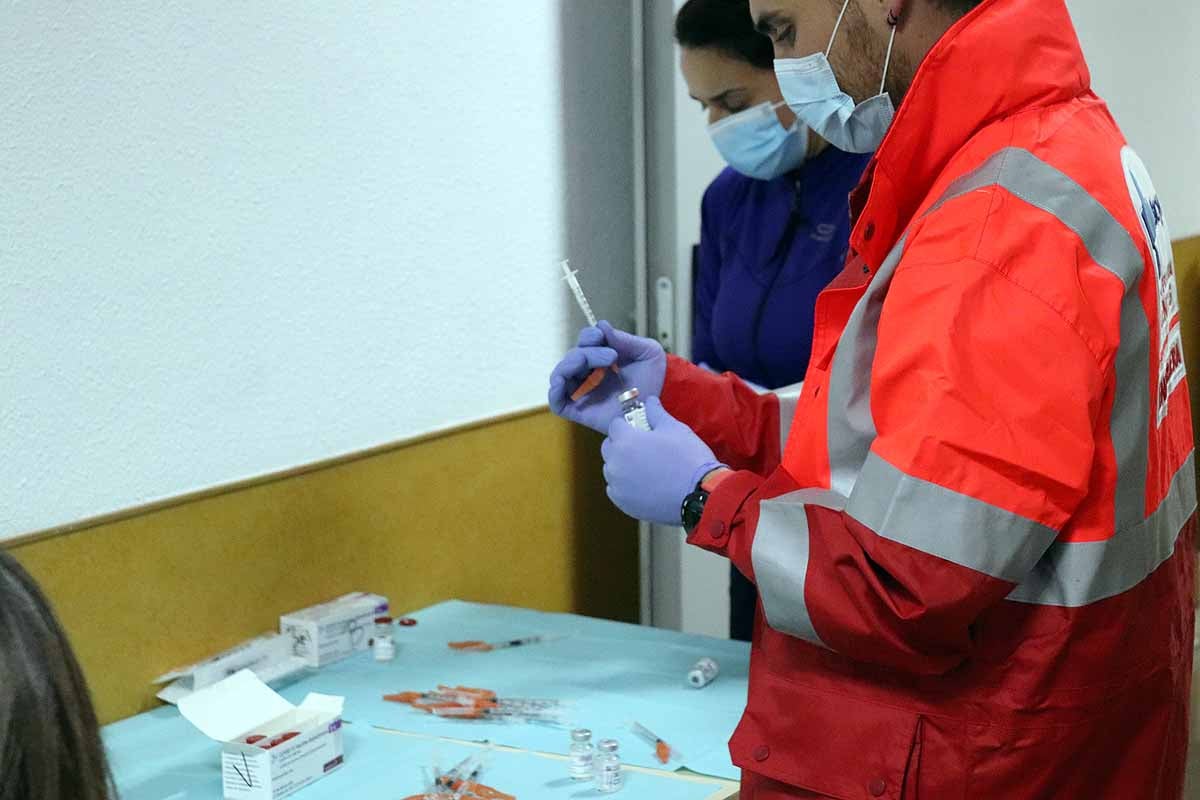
(744, 428)
(984, 400)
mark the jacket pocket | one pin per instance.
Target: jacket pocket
(827, 743)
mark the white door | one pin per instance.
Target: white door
(688, 588)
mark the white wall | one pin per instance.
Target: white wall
(1149, 73)
(237, 239)
(1145, 62)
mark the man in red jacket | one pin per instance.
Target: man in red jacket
(973, 543)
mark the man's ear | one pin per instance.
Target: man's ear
(895, 11)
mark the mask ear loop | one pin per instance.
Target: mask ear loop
(836, 25)
(895, 14)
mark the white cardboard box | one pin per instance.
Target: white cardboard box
(332, 631)
(269, 655)
(299, 744)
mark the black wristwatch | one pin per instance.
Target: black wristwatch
(693, 508)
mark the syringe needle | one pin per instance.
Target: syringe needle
(577, 290)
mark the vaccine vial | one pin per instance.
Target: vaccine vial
(702, 673)
(581, 755)
(608, 767)
(634, 410)
(382, 645)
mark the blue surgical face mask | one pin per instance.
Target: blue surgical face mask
(812, 93)
(757, 145)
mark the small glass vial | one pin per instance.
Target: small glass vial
(382, 645)
(634, 410)
(609, 778)
(581, 755)
(703, 673)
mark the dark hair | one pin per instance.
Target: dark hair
(50, 744)
(727, 26)
(959, 8)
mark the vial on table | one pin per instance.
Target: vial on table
(382, 645)
(634, 410)
(581, 755)
(608, 767)
(703, 672)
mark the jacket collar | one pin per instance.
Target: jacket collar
(1005, 57)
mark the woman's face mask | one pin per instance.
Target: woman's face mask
(757, 145)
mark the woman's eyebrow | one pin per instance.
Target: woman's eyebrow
(719, 98)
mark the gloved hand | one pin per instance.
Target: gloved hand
(649, 473)
(642, 364)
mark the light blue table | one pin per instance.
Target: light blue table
(605, 672)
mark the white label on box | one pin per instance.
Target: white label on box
(242, 706)
(307, 759)
(278, 773)
(335, 630)
(246, 776)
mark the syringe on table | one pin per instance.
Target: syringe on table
(663, 751)
(466, 703)
(632, 406)
(460, 782)
(487, 647)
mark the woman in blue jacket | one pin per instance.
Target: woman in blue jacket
(774, 224)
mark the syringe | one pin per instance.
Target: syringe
(663, 751)
(633, 409)
(577, 290)
(597, 376)
(487, 647)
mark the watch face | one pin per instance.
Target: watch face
(693, 509)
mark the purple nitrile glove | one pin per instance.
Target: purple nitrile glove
(642, 364)
(649, 473)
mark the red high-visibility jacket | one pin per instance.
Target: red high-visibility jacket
(973, 551)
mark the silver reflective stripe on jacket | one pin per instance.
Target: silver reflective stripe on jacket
(947, 524)
(850, 427)
(1074, 574)
(780, 558)
(789, 398)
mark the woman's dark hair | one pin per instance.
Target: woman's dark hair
(50, 746)
(725, 25)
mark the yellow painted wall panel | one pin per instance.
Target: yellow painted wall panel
(512, 512)
(1187, 273)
